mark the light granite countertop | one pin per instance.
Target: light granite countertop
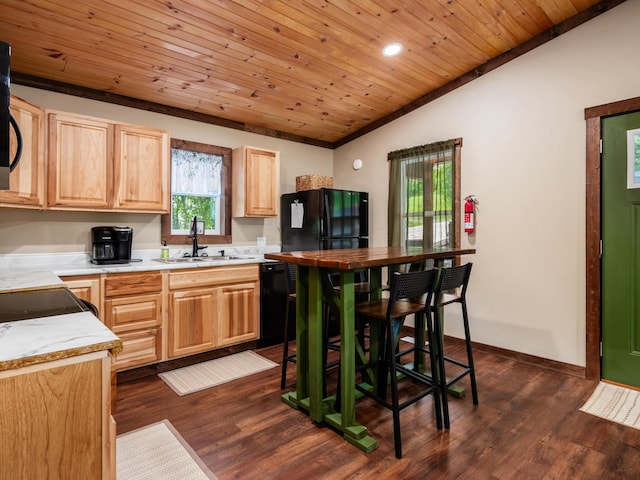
(67, 264)
(13, 280)
(28, 342)
(38, 340)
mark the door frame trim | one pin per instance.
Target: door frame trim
(594, 117)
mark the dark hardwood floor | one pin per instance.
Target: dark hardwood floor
(527, 426)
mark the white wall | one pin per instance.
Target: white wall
(523, 156)
(27, 231)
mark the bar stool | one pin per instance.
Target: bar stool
(453, 279)
(389, 314)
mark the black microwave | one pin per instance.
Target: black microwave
(8, 160)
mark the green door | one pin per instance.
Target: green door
(620, 255)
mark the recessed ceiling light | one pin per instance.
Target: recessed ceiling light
(392, 49)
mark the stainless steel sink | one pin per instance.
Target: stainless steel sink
(180, 260)
(219, 258)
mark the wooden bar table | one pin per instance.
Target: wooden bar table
(314, 267)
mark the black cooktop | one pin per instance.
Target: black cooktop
(38, 303)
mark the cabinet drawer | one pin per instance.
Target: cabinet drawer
(199, 277)
(139, 348)
(130, 283)
(133, 312)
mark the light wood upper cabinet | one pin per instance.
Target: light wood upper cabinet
(80, 161)
(27, 181)
(256, 182)
(141, 169)
(96, 164)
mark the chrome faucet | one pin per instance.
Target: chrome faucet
(194, 228)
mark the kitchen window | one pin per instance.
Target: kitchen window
(200, 186)
(424, 195)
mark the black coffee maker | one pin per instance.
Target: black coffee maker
(111, 245)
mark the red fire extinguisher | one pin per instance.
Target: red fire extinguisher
(469, 214)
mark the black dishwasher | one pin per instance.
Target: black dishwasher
(273, 304)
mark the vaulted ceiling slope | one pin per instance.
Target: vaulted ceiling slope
(305, 70)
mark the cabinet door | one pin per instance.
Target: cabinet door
(87, 288)
(26, 182)
(238, 318)
(191, 329)
(80, 161)
(141, 169)
(53, 419)
(256, 186)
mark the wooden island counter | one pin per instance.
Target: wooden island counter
(311, 286)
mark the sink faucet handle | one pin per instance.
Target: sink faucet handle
(221, 252)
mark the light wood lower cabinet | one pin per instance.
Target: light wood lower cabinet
(141, 347)
(192, 314)
(171, 314)
(238, 313)
(212, 307)
(133, 311)
(56, 420)
(86, 287)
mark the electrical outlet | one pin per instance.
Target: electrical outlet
(199, 228)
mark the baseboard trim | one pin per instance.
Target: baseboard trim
(545, 363)
(561, 367)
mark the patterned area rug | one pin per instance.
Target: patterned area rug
(618, 404)
(215, 372)
(155, 452)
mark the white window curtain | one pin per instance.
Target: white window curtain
(421, 196)
(195, 173)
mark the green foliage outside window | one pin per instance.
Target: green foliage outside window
(442, 195)
(184, 207)
(195, 189)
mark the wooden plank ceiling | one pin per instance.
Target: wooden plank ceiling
(308, 70)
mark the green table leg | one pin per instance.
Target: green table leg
(345, 420)
(302, 333)
(310, 361)
(315, 339)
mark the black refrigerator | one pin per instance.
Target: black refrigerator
(310, 220)
(324, 219)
